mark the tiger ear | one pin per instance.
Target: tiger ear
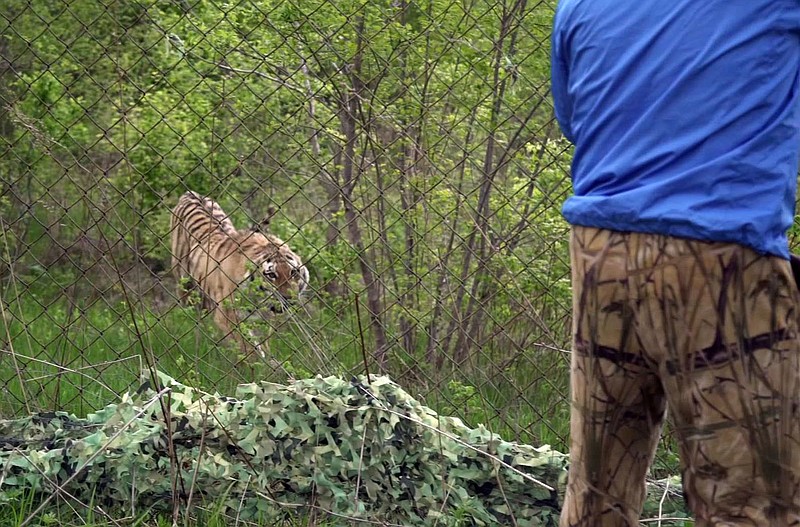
(263, 225)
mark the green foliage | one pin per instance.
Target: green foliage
(160, 99)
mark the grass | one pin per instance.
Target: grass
(65, 350)
(70, 514)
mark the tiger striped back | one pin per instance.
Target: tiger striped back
(194, 219)
(200, 216)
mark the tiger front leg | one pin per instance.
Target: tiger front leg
(250, 328)
(228, 323)
(262, 348)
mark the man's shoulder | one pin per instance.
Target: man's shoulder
(563, 11)
(635, 20)
(570, 13)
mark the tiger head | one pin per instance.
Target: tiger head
(285, 278)
(282, 276)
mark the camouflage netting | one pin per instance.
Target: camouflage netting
(369, 452)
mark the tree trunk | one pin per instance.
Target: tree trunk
(349, 109)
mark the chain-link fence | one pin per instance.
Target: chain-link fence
(408, 150)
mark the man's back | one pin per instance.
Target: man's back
(684, 116)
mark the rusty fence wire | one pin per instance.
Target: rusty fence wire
(408, 149)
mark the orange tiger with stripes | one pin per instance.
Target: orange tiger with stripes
(218, 259)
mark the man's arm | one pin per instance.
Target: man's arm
(559, 79)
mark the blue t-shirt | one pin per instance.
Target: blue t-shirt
(684, 116)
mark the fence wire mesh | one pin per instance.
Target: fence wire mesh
(408, 149)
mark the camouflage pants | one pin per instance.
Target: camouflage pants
(711, 329)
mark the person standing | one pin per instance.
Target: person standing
(685, 121)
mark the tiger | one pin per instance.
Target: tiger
(210, 254)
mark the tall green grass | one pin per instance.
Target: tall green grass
(68, 351)
(69, 514)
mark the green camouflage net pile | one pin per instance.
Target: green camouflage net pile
(353, 450)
